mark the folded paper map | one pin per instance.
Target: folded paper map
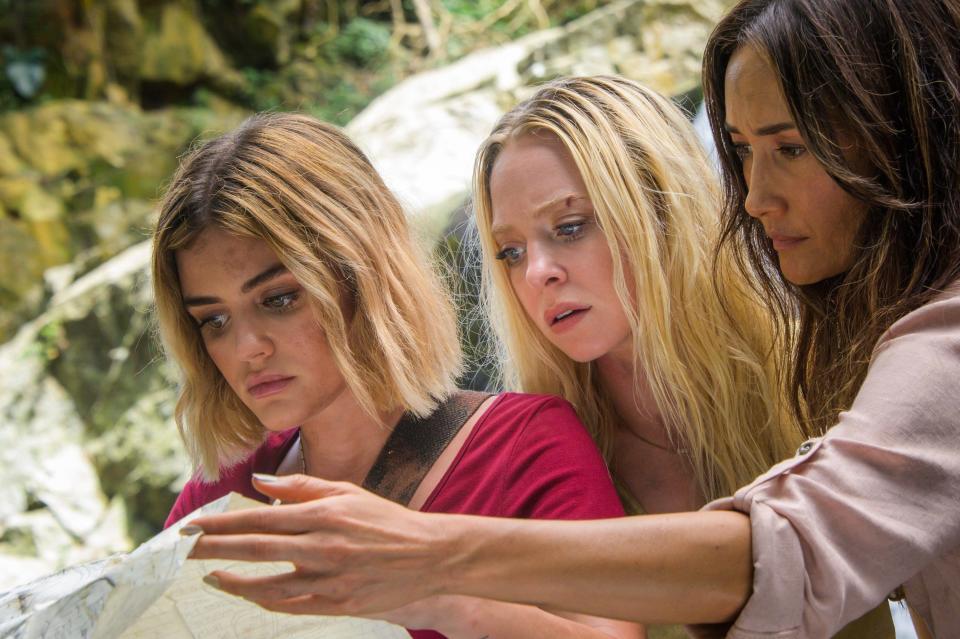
(155, 591)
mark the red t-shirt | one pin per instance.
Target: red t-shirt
(527, 457)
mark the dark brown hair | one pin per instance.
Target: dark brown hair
(884, 74)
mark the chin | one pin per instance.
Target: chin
(583, 355)
(804, 276)
(278, 423)
(806, 279)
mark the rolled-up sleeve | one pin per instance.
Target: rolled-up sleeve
(871, 504)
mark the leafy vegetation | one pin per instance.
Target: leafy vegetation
(328, 57)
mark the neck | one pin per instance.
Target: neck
(629, 390)
(651, 468)
(343, 442)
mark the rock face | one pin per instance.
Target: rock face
(423, 133)
(77, 184)
(84, 409)
(89, 456)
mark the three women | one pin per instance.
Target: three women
(838, 124)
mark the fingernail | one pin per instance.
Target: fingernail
(191, 529)
(266, 479)
(210, 580)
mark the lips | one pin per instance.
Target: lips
(260, 386)
(561, 314)
(782, 242)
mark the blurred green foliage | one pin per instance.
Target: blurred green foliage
(330, 57)
(363, 43)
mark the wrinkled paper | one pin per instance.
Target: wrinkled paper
(155, 592)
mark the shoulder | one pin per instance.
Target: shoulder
(528, 456)
(938, 318)
(525, 410)
(551, 466)
(915, 369)
(543, 422)
(233, 477)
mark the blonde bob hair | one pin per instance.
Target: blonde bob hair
(306, 190)
(701, 340)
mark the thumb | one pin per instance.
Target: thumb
(292, 489)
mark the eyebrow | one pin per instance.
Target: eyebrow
(264, 276)
(566, 200)
(770, 129)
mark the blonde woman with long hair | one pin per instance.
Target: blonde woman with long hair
(666, 352)
(314, 340)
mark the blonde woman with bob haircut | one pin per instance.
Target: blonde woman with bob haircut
(671, 365)
(314, 341)
(399, 349)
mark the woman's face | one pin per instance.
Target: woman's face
(811, 222)
(258, 328)
(557, 257)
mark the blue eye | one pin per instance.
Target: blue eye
(570, 230)
(510, 254)
(281, 302)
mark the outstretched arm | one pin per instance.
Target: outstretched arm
(358, 554)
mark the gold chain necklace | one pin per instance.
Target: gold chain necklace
(650, 442)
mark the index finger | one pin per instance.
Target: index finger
(288, 519)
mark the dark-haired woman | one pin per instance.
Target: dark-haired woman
(838, 124)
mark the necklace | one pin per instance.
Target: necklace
(650, 442)
(303, 457)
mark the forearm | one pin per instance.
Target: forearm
(358, 554)
(472, 618)
(678, 568)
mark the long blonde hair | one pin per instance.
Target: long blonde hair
(700, 336)
(302, 186)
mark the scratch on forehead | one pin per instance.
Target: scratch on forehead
(561, 202)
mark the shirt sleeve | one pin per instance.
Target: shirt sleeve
(555, 470)
(863, 509)
(185, 504)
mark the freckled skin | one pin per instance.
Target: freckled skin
(268, 329)
(557, 261)
(789, 191)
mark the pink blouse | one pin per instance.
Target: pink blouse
(871, 505)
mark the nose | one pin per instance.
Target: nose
(543, 268)
(763, 194)
(253, 343)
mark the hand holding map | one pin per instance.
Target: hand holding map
(154, 591)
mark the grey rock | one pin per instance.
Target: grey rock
(422, 134)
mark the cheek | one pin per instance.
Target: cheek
(308, 342)
(596, 265)
(219, 355)
(840, 219)
(522, 293)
